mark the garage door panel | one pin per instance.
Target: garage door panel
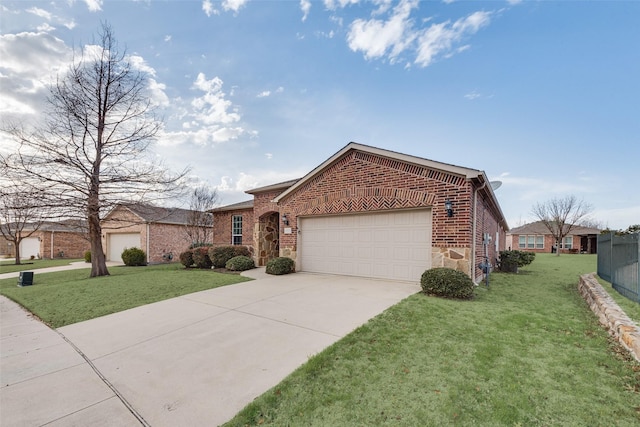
(392, 245)
(118, 242)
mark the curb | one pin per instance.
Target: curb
(610, 315)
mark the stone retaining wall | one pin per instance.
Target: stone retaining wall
(610, 314)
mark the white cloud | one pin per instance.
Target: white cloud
(233, 5)
(375, 37)
(473, 95)
(30, 61)
(94, 5)
(212, 107)
(157, 93)
(264, 94)
(167, 38)
(138, 63)
(45, 28)
(305, 6)
(40, 12)
(440, 38)
(334, 4)
(208, 8)
(269, 156)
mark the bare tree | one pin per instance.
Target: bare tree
(561, 215)
(22, 213)
(199, 226)
(88, 154)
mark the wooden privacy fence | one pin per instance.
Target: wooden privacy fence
(618, 263)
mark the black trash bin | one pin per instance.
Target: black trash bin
(25, 278)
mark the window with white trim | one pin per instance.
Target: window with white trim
(236, 230)
(531, 242)
(567, 242)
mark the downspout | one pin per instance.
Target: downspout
(52, 231)
(475, 222)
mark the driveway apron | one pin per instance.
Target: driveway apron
(198, 359)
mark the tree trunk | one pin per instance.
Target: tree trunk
(98, 258)
(17, 244)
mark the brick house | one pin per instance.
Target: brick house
(160, 232)
(374, 213)
(535, 237)
(65, 239)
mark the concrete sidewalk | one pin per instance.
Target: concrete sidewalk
(71, 266)
(194, 360)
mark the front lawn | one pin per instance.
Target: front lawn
(9, 266)
(67, 297)
(527, 352)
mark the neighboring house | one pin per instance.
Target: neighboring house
(535, 237)
(159, 231)
(64, 239)
(374, 213)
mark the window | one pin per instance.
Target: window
(567, 242)
(531, 242)
(236, 230)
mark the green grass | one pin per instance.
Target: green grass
(631, 308)
(67, 297)
(527, 352)
(11, 267)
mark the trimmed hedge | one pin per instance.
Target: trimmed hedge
(87, 256)
(186, 258)
(511, 260)
(201, 257)
(280, 265)
(448, 283)
(240, 263)
(221, 254)
(134, 257)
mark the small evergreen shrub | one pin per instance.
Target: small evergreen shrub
(511, 260)
(240, 263)
(186, 259)
(447, 282)
(221, 254)
(280, 265)
(201, 258)
(87, 256)
(134, 257)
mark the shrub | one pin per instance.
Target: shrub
(221, 254)
(240, 263)
(87, 256)
(134, 256)
(200, 245)
(201, 257)
(447, 282)
(511, 260)
(280, 265)
(186, 259)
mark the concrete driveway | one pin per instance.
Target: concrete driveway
(198, 359)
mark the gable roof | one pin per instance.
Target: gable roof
(157, 214)
(279, 186)
(538, 227)
(247, 204)
(453, 169)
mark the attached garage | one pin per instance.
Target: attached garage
(118, 242)
(385, 245)
(30, 247)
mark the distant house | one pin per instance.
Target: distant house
(371, 212)
(64, 239)
(159, 231)
(535, 237)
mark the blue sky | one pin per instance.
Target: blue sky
(541, 95)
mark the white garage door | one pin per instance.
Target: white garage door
(390, 245)
(29, 247)
(118, 242)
